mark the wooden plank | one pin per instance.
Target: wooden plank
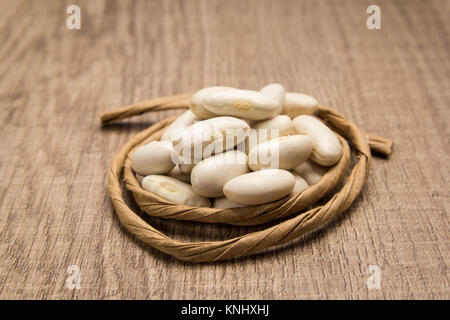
(55, 211)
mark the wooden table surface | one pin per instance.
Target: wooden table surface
(55, 209)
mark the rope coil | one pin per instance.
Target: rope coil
(251, 243)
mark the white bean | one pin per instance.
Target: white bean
(285, 152)
(182, 122)
(259, 187)
(282, 123)
(300, 185)
(174, 190)
(327, 149)
(207, 137)
(246, 104)
(296, 104)
(152, 158)
(197, 106)
(278, 126)
(210, 175)
(311, 172)
(276, 92)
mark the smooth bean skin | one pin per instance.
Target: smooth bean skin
(311, 172)
(286, 152)
(262, 131)
(174, 190)
(300, 184)
(246, 104)
(224, 203)
(282, 123)
(153, 158)
(259, 187)
(210, 175)
(276, 92)
(296, 104)
(208, 137)
(183, 121)
(327, 149)
(197, 106)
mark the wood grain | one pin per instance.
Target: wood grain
(54, 206)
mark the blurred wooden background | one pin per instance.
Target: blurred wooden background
(54, 207)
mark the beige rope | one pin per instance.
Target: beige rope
(250, 243)
(164, 103)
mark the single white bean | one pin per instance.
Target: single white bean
(311, 172)
(153, 158)
(180, 175)
(282, 123)
(276, 92)
(296, 104)
(300, 184)
(182, 122)
(224, 203)
(197, 106)
(327, 149)
(278, 126)
(210, 175)
(174, 190)
(207, 137)
(246, 104)
(259, 187)
(285, 152)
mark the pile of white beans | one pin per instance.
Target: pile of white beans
(237, 148)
